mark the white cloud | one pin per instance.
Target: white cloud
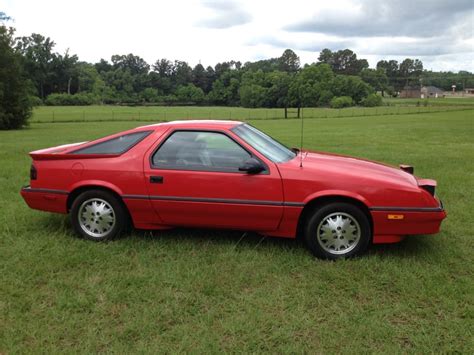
(219, 30)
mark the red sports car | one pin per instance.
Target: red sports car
(228, 174)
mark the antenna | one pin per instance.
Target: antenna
(301, 145)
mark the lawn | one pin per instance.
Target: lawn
(215, 291)
(52, 114)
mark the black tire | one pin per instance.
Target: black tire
(98, 226)
(344, 231)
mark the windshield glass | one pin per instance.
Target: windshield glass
(265, 144)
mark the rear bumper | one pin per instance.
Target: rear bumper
(408, 222)
(45, 199)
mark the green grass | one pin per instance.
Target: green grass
(214, 291)
(52, 114)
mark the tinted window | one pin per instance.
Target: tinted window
(265, 144)
(116, 145)
(193, 150)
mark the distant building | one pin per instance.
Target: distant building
(469, 91)
(431, 91)
(410, 92)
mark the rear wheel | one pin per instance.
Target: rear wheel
(98, 215)
(337, 230)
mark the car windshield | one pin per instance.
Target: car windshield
(263, 143)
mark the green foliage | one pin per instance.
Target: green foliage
(273, 82)
(341, 102)
(35, 101)
(149, 95)
(352, 86)
(372, 100)
(343, 61)
(80, 99)
(309, 84)
(190, 94)
(253, 95)
(15, 90)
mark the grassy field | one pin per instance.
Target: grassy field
(214, 291)
(50, 114)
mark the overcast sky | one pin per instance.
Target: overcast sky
(438, 32)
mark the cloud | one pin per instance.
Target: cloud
(375, 18)
(225, 14)
(310, 45)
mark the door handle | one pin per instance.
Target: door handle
(156, 179)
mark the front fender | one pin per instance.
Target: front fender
(335, 193)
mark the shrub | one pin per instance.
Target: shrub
(190, 94)
(80, 99)
(372, 100)
(35, 100)
(325, 98)
(341, 101)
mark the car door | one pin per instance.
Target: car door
(193, 179)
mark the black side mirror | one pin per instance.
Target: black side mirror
(252, 166)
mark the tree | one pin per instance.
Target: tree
(190, 94)
(376, 78)
(310, 84)
(253, 95)
(134, 64)
(289, 61)
(200, 78)
(410, 70)
(343, 61)
(352, 86)
(15, 105)
(38, 58)
(63, 71)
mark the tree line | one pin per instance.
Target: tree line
(336, 78)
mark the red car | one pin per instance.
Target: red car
(227, 174)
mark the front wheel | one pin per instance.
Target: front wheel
(98, 215)
(338, 230)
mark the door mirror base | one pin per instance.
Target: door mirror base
(252, 166)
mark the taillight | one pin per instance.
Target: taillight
(33, 172)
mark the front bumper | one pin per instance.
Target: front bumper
(49, 200)
(409, 222)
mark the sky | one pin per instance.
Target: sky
(440, 33)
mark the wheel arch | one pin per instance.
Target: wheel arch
(87, 187)
(82, 186)
(318, 201)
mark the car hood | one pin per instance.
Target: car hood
(354, 167)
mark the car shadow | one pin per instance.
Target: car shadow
(236, 239)
(409, 247)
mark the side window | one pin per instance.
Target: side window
(116, 145)
(194, 150)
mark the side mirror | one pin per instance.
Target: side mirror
(252, 166)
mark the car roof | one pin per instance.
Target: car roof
(198, 124)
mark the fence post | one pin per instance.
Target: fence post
(53, 116)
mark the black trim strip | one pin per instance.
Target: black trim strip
(407, 209)
(49, 191)
(214, 200)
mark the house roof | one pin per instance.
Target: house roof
(432, 89)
